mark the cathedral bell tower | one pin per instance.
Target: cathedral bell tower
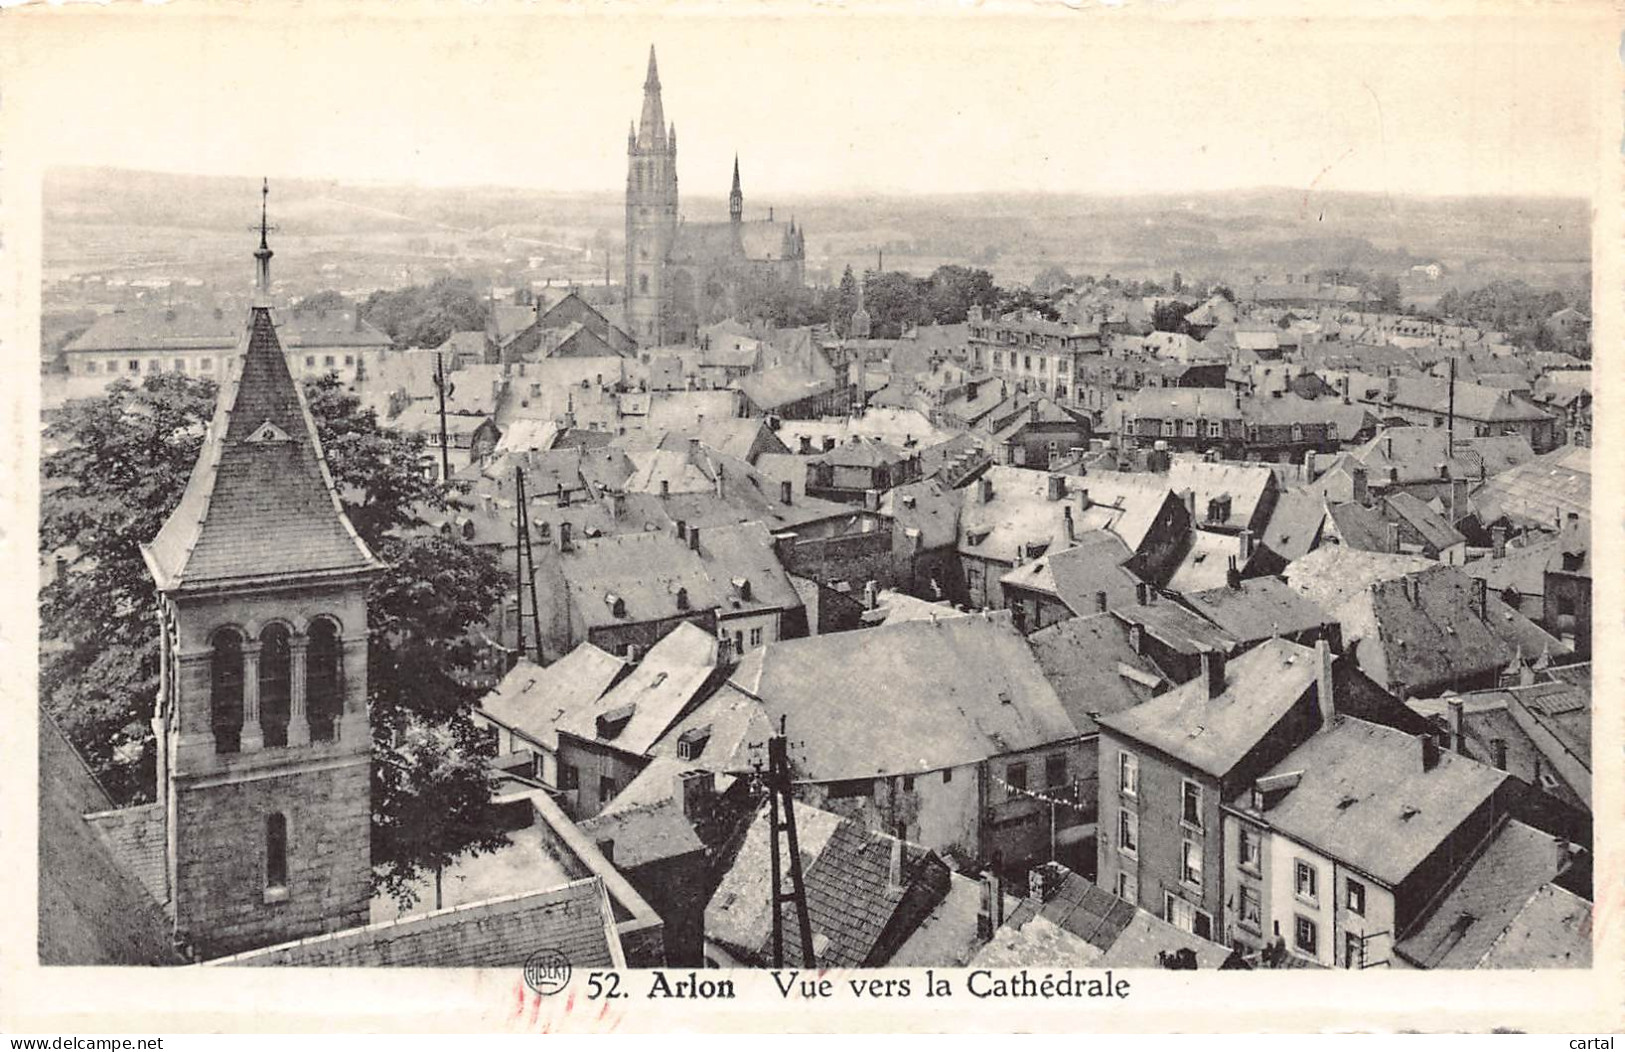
(651, 212)
(264, 747)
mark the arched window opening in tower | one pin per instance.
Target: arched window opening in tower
(276, 684)
(226, 690)
(276, 850)
(324, 686)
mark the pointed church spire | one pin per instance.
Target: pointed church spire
(262, 255)
(652, 127)
(736, 197)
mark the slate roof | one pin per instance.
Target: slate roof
(260, 504)
(575, 919)
(1093, 669)
(1366, 799)
(1181, 403)
(1463, 927)
(958, 690)
(784, 385)
(533, 699)
(656, 692)
(1417, 452)
(1260, 687)
(850, 899)
(1538, 491)
(190, 329)
(1206, 563)
(1359, 528)
(1177, 626)
(928, 507)
(1075, 575)
(1473, 401)
(1522, 569)
(1261, 607)
(92, 910)
(1243, 484)
(1419, 633)
(1552, 930)
(1295, 524)
(645, 833)
(1333, 574)
(1434, 529)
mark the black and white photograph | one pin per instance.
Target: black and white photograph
(637, 514)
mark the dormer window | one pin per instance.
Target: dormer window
(682, 599)
(617, 605)
(691, 743)
(610, 724)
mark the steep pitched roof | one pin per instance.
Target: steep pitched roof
(958, 690)
(1432, 526)
(640, 708)
(1093, 669)
(1295, 525)
(533, 699)
(260, 504)
(1213, 735)
(1259, 608)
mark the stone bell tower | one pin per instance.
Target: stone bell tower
(264, 745)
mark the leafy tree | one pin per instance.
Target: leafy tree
(844, 302)
(952, 290)
(1051, 279)
(114, 468)
(425, 315)
(896, 302)
(327, 299)
(1170, 316)
(1026, 299)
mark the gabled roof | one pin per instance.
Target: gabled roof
(1539, 491)
(1206, 563)
(958, 690)
(1258, 608)
(1366, 798)
(1358, 527)
(1077, 574)
(260, 504)
(1552, 930)
(1432, 526)
(1093, 669)
(641, 707)
(1213, 736)
(1177, 626)
(1295, 524)
(1239, 486)
(533, 699)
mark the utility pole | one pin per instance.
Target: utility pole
(1450, 420)
(780, 798)
(525, 567)
(440, 387)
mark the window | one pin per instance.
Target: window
(569, 777)
(1305, 936)
(133, 366)
(908, 783)
(1015, 777)
(1064, 366)
(276, 684)
(1170, 428)
(1215, 429)
(1306, 881)
(1128, 833)
(643, 283)
(1356, 897)
(1128, 887)
(155, 365)
(1190, 863)
(1190, 429)
(310, 361)
(756, 637)
(1187, 917)
(739, 642)
(1191, 805)
(324, 681)
(276, 851)
(226, 690)
(327, 360)
(1353, 950)
(606, 789)
(90, 367)
(207, 365)
(349, 359)
(1251, 908)
(1128, 774)
(1055, 770)
(1251, 849)
(947, 775)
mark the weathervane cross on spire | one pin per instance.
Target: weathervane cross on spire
(262, 256)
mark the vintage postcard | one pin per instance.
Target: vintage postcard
(581, 517)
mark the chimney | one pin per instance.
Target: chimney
(1393, 538)
(1213, 673)
(1362, 491)
(1498, 542)
(1430, 751)
(894, 869)
(1458, 732)
(1136, 638)
(1054, 487)
(1325, 690)
(1142, 593)
(1309, 465)
(1443, 469)
(693, 538)
(563, 495)
(1481, 598)
(1498, 754)
(984, 490)
(665, 487)
(1189, 497)
(682, 530)
(1232, 576)
(871, 499)
(1100, 602)
(786, 492)
(1083, 499)
(1246, 545)
(806, 445)
(564, 538)
(871, 595)
(1068, 526)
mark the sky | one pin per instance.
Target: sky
(1091, 100)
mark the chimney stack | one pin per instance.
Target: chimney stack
(1213, 673)
(1100, 602)
(1232, 576)
(1246, 545)
(1393, 538)
(1054, 487)
(1481, 598)
(1083, 499)
(786, 492)
(1430, 751)
(697, 788)
(871, 595)
(894, 870)
(1498, 542)
(693, 538)
(1498, 754)
(1068, 526)
(1458, 731)
(564, 538)
(984, 490)
(1362, 491)
(1136, 638)
(1325, 690)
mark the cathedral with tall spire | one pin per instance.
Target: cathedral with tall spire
(681, 275)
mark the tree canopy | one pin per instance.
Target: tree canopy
(115, 466)
(425, 315)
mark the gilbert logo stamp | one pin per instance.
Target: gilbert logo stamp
(547, 971)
